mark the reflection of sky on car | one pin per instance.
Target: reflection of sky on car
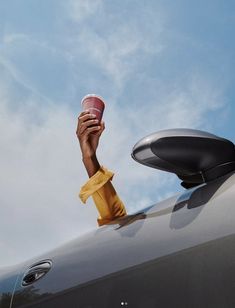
(188, 204)
(158, 65)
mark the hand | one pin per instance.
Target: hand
(89, 136)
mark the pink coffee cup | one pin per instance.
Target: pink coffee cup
(95, 104)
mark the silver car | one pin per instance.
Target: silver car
(176, 253)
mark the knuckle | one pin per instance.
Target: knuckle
(80, 115)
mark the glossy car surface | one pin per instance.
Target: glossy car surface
(177, 253)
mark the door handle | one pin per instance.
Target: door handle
(36, 271)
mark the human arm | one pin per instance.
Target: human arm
(88, 137)
(99, 185)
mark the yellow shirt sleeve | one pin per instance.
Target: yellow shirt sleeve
(107, 202)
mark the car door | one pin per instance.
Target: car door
(8, 279)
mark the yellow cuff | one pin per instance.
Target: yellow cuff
(101, 177)
(103, 221)
(106, 221)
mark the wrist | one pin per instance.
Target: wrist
(89, 157)
(91, 164)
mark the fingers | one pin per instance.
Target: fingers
(85, 129)
(90, 130)
(102, 124)
(83, 113)
(102, 127)
(83, 118)
(87, 124)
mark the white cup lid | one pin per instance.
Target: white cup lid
(93, 95)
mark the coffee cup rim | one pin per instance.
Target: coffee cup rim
(92, 95)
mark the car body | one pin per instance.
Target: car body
(179, 252)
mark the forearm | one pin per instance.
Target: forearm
(91, 164)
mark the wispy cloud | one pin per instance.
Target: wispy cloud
(82, 9)
(119, 44)
(34, 64)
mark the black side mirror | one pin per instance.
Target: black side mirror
(194, 156)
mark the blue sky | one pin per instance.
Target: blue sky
(158, 64)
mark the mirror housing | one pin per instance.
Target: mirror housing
(195, 156)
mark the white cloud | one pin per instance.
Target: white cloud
(189, 105)
(41, 174)
(10, 38)
(82, 9)
(110, 53)
(119, 44)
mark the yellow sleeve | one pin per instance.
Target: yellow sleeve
(107, 202)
